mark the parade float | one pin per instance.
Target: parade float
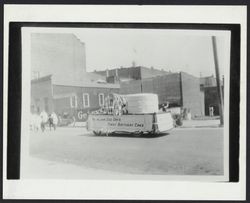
(136, 114)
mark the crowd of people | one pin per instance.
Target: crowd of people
(40, 121)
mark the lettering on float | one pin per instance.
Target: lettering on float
(116, 121)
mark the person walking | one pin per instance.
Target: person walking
(50, 121)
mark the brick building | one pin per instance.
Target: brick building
(131, 73)
(211, 96)
(180, 89)
(50, 94)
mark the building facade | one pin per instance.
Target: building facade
(179, 89)
(131, 73)
(211, 96)
(69, 97)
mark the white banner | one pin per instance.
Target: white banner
(127, 123)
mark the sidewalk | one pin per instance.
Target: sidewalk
(200, 123)
(35, 168)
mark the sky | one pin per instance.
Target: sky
(175, 51)
(190, 51)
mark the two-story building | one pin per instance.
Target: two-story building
(68, 97)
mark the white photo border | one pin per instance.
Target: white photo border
(110, 189)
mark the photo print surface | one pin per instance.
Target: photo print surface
(126, 102)
(128, 106)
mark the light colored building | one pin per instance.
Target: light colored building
(59, 54)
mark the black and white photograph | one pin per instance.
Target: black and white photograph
(108, 102)
(127, 102)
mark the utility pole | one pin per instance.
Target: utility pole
(217, 72)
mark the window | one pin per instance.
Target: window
(85, 102)
(73, 101)
(101, 99)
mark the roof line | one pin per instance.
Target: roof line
(113, 86)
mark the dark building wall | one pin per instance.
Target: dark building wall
(166, 86)
(148, 85)
(135, 73)
(130, 87)
(151, 72)
(212, 99)
(180, 89)
(62, 97)
(41, 95)
(192, 96)
(112, 79)
(63, 104)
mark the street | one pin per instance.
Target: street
(187, 151)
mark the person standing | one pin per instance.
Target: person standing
(44, 119)
(211, 111)
(50, 121)
(54, 120)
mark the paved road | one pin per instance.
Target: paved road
(194, 151)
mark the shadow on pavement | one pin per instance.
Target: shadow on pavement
(127, 135)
